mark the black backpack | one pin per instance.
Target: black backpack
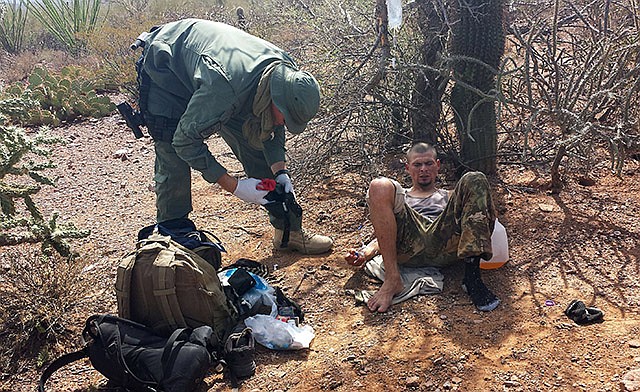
(132, 356)
(183, 231)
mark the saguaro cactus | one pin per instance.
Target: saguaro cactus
(477, 46)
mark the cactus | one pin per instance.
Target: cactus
(477, 46)
(28, 225)
(48, 99)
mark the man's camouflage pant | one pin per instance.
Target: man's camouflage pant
(462, 230)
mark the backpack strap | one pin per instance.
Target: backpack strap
(217, 243)
(210, 280)
(60, 362)
(164, 289)
(123, 285)
(169, 352)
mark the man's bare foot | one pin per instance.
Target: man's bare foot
(381, 301)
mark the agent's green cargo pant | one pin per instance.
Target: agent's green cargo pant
(173, 179)
(462, 230)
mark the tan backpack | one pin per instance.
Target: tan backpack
(166, 286)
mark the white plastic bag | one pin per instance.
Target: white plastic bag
(394, 13)
(279, 335)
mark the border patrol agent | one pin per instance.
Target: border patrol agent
(200, 77)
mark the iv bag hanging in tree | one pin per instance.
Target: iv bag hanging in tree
(394, 12)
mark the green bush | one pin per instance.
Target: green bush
(38, 288)
(69, 21)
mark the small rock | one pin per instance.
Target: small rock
(586, 181)
(413, 381)
(631, 381)
(545, 207)
(634, 343)
(456, 380)
(121, 153)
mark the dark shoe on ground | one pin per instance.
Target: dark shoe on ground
(581, 314)
(481, 296)
(300, 241)
(239, 351)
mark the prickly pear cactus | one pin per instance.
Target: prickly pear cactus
(49, 99)
(477, 46)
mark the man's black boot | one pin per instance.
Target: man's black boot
(472, 284)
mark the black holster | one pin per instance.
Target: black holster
(160, 128)
(281, 205)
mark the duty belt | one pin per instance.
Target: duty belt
(161, 128)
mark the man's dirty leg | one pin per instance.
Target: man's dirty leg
(381, 200)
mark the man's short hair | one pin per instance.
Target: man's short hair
(422, 148)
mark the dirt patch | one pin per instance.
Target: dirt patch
(580, 244)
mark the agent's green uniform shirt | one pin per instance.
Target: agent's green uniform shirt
(206, 74)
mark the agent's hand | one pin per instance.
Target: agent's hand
(247, 191)
(284, 180)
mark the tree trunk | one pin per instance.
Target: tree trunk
(427, 94)
(478, 34)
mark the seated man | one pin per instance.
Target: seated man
(426, 226)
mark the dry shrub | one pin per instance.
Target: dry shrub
(18, 67)
(38, 295)
(116, 61)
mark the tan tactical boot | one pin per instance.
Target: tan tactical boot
(309, 244)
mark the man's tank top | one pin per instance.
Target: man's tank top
(429, 207)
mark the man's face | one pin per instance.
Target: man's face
(423, 168)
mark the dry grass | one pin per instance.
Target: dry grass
(37, 295)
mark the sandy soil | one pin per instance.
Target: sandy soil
(581, 244)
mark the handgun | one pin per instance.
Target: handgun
(133, 118)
